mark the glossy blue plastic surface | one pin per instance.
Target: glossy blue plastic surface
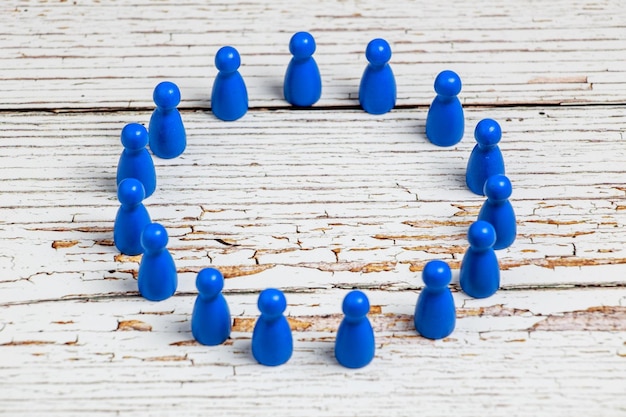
(435, 314)
(486, 159)
(157, 278)
(377, 91)
(303, 82)
(498, 211)
(168, 138)
(210, 319)
(355, 344)
(445, 121)
(272, 343)
(131, 217)
(229, 97)
(135, 160)
(480, 272)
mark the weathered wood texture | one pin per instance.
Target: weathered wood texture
(323, 196)
(86, 54)
(315, 202)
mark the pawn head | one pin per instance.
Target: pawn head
(487, 132)
(272, 302)
(227, 59)
(498, 187)
(448, 83)
(355, 304)
(481, 235)
(154, 237)
(134, 136)
(166, 95)
(210, 282)
(436, 274)
(378, 52)
(302, 45)
(130, 191)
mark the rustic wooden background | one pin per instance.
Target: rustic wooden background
(315, 202)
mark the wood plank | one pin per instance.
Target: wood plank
(296, 204)
(515, 353)
(92, 55)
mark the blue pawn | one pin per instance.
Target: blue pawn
(445, 122)
(377, 91)
(486, 159)
(166, 131)
(229, 98)
(135, 161)
(210, 320)
(480, 272)
(272, 343)
(303, 83)
(435, 314)
(157, 278)
(355, 345)
(131, 217)
(498, 211)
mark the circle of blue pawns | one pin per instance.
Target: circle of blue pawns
(229, 61)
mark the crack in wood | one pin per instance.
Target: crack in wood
(601, 318)
(27, 343)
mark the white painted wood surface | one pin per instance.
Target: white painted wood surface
(315, 202)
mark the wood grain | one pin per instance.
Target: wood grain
(297, 205)
(259, 199)
(90, 54)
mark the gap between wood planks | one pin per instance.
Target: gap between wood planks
(521, 104)
(302, 290)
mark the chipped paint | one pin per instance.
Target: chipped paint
(129, 325)
(61, 244)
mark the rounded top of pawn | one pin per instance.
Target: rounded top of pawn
(272, 302)
(481, 235)
(487, 132)
(436, 274)
(355, 304)
(134, 136)
(227, 59)
(302, 45)
(448, 83)
(130, 191)
(210, 282)
(498, 187)
(154, 237)
(378, 52)
(166, 95)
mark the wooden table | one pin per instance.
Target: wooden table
(315, 202)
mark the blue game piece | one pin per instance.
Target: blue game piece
(498, 211)
(131, 217)
(480, 272)
(435, 314)
(229, 98)
(135, 160)
(166, 131)
(272, 343)
(486, 159)
(303, 83)
(377, 91)
(355, 345)
(445, 122)
(157, 278)
(210, 319)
